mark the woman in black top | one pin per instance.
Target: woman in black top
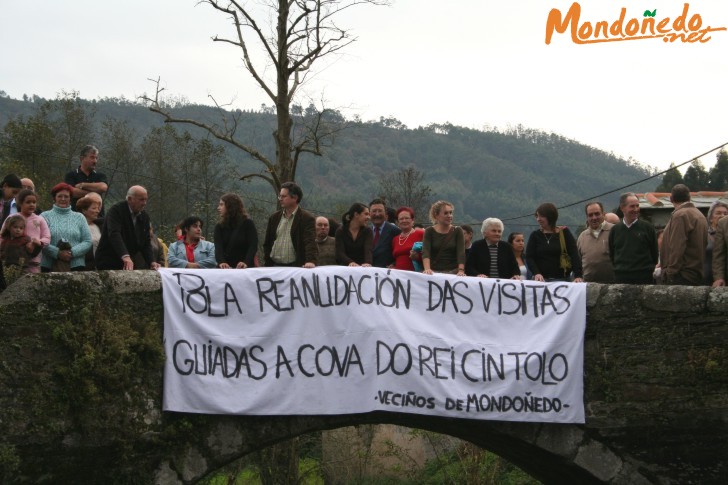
(543, 252)
(236, 240)
(354, 239)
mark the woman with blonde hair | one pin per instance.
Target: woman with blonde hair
(443, 245)
(90, 207)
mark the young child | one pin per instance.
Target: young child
(14, 244)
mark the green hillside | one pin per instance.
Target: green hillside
(484, 173)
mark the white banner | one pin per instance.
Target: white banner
(339, 340)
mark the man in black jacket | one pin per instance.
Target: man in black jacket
(125, 237)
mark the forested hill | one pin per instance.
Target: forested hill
(484, 173)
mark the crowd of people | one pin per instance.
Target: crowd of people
(76, 234)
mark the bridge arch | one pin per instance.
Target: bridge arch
(80, 391)
(551, 453)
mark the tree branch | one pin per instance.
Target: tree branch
(270, 180)
(226, 136)
(243, 45)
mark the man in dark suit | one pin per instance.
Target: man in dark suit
(125, 236)
(384, 232)
(290, 238)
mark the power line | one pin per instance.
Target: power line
(594, 197)
(326, 213)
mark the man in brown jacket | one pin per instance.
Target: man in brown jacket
(684, 241)
(720, 253)
(290, 239)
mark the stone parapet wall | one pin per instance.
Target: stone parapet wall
(81, 377)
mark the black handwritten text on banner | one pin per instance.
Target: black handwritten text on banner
(339, 340)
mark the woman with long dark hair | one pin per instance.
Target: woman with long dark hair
(518, 243)
(543, 252)
(236, 239)
(354, 239)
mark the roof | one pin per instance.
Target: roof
(661, 200)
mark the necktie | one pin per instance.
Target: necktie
(376, 235)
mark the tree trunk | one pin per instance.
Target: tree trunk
(282, 135)
(278, 464)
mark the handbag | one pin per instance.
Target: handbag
(59, 265)
(417, 257)
(565, 260)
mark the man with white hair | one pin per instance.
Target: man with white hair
(27, 184)
(125, 237)
(326, 244)
(490, 257)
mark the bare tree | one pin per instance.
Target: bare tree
(121, 157)
(292, 35)
(407, 187)
(208, 179)
(73, 123)
(46, 145)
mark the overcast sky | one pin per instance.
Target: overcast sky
(473, 63)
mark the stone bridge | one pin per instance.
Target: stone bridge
(81, 381)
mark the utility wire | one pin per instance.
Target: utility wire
(326, 213)
(625, 186)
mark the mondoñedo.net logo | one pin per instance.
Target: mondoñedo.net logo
(686, 27)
